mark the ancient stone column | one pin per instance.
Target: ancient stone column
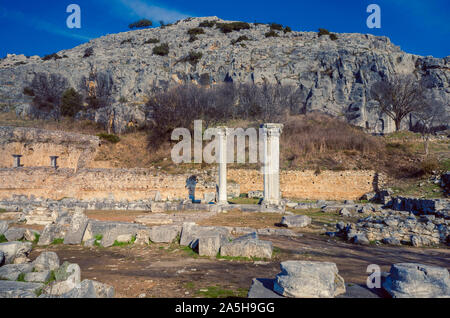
(271, 163)
(17, 161)
(53, 160)
(222, 161)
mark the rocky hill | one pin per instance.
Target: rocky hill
(334, 75)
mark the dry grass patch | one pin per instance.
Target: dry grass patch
(243, 219)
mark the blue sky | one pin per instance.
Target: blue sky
(39, 27)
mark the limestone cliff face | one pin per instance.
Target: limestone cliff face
(334, 76)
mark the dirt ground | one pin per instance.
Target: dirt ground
(160, 270)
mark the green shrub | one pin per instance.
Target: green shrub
(240, 39)
(110, 138)
(193, 38)
(151, 41)
(143, 23)
(207, 24)
(161, 50)
(323, 32)
(192, 57)
(276, 26)
(333, 37)
(196, 31)
(287, 29)
(3, 238)
(271, 34)
(123, 99)
(58, 241)
(233, 26)
(21, 277)
(71, 103)
(28, 91)
(37, 236)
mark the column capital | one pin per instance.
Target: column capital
(273, 129)
(222, 130)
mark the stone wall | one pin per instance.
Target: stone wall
(37, 145)
(328, 185)
(91, 184)
(143, 184)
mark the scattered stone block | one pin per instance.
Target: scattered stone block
(3, 227)
(210, 245)
(52, 232)
(158, 207)
(392, 241)
(13, 271)
(76, 229)
(247, 247)
(412, 280)
(296, 221)
(38, 277)
(164, 233)
(11, 289)
(109, 231)
(90, 289)
(46, 261)
(14, 234)
(191, 233)
(360, 239)
(154, 219)
(39, 216)
(58, 288)
(304, 279)
(13, 250)
(142, 237)
(345, 212)
(124, 238)
(263, 289)
(30, 235)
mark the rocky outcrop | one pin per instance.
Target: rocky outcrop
(332, 76)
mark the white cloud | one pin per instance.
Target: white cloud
(153, 12)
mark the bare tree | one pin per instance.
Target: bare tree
(47, 90)
(398, 97)
(97, 88)
(431, 118)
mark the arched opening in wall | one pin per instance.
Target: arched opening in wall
(380, 126)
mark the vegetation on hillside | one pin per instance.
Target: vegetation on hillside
(143, 23)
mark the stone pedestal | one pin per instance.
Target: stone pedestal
(222, 161)
(271, 163)
(17, 161)
(53, 161)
